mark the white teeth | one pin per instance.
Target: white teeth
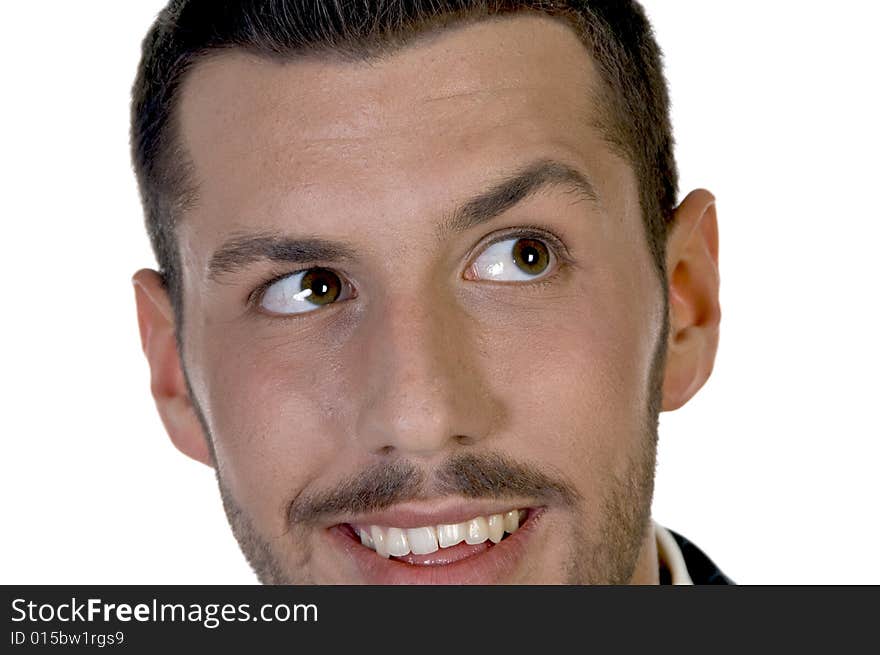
(449, 535)
(396, 542)
(511, 521)
(378, 535)
(422, 541)
(388, 541)
(477, 530)
(496, 528)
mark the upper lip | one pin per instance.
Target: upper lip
(438, 512)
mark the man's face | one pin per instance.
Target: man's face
(440, 371)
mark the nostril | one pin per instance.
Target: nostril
(386, 450)
(464, 440)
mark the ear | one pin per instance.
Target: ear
(167, 383)
(695, 312)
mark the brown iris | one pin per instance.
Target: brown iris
(324, 284)
(531, 256)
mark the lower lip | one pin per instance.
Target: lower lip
(491, 565)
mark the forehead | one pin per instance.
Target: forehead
(409, 131)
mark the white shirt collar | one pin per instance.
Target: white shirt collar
(669, 553)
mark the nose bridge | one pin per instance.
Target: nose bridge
(426, 392)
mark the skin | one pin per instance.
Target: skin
(425, 365)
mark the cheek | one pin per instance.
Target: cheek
(578, 399)
(271, 416)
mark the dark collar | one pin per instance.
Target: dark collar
(701, 569)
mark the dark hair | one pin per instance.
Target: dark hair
(634, 102)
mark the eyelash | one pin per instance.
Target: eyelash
(554, 241)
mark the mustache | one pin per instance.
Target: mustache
(488, 476)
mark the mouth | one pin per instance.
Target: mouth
(481, 548)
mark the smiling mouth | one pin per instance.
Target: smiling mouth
(433, 545)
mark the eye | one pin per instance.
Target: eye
(513, 260)
(302, 292)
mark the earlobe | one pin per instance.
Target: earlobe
(167, 382)
(695, 311)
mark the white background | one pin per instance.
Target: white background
(771, 469)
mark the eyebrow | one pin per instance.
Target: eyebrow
(243, 250)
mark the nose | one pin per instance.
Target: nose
(425, 368)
